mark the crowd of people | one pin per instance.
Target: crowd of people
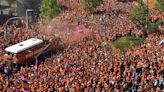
(91, 65)
(88, 66)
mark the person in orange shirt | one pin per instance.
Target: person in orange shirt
(24, 84)
(1, 79)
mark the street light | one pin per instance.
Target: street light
(5, 25)
(27, 17)
(147, 10)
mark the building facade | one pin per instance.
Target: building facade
(23, 5)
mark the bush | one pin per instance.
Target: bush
(139, 14)
(90, 4)
(153, 26)
(160, 5)
(49, 8)
(10, 2)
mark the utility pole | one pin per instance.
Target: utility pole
(147, 17)
(29, 19)
(5, 25)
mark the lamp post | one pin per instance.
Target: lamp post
(5, 25)
(27, 17)
(147, 16)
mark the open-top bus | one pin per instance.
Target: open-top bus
(27, 51)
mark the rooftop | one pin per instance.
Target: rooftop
(23, 45)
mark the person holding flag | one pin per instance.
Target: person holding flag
(25, 84)
(36, 58)
(36, 64)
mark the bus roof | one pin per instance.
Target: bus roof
(23, 45)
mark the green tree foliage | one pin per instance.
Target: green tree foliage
(49, 8)
(11, 10)
(139, 14)
(153, 26)
(160, 5)
(10, 2)
(90, 4)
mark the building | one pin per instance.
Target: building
(22, 5)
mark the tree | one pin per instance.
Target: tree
(139, 14)
(160, 5)
(11, 10)
(10, 2)
(49, 8)
(90, 4)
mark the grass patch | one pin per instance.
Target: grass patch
(124, 43)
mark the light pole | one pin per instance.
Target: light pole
(27, 17)
(147, 16)
(5, 25)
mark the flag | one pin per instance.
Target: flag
(25, 84)
(36, 64)
(46, 47)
